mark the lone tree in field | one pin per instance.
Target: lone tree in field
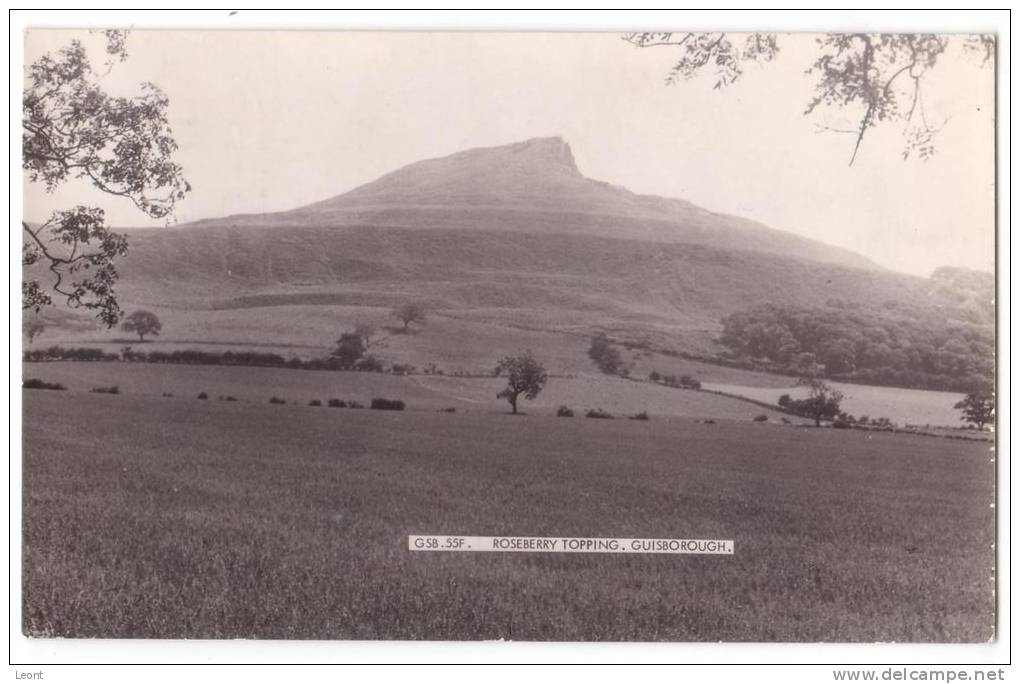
(33, 327)
(410, 312)
(822, 402)
(142, 323)
(978, 409)
(525, 375)
(861, 79)
(73, 130)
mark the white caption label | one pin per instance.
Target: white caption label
(445, 542)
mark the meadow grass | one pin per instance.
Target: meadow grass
(168, 517)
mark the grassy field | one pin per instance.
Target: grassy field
(147, 516)
(257, 385)
(902, 406)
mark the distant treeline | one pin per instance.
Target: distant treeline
(922, 350)
(244, 358)
(206, 358)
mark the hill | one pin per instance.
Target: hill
(535, 187)
(510, 247)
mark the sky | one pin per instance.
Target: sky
(269, 121)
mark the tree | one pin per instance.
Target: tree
(410, 312)
(32, 328)
(525, 375)
(123, 146)
(349, 350)
(142, 323)
(978, 408)
(876, 78)
(605, 356)
(822, 402)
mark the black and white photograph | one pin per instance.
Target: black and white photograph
(671, 336)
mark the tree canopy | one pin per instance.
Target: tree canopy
(978, 408)
(72, 129)
(410, 312)
(863, 79)
(525, 375)
(822, 402)
(930, 349)
(142, 323)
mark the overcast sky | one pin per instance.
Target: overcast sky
(271, 121)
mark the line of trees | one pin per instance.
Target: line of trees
(924, 351)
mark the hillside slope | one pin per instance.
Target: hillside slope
(224, 267)
(535, 187)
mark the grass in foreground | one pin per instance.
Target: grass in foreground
(169, 517)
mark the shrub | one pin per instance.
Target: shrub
(606, 358)
(228, 398)
(203, 395)
(387, 404)
(761, 418)
(784, 400)
(654, 376)
(598, 413)
(841, 424)
(167, 394)
(687, 382)
(369, 364)
(315, 402)
(402, 369)
(112, 389)
(565, 412)
(786, 421)
(355, 404)
(36, 383)
(640, 416)
(448, 409)
(276, 400)
(336, 403)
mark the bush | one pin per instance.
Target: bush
(448, 409)
(369, 364)
(687, 382)
(387, 404)
(599, 413)
(761, 418)
(840, 424)
(784, 400)
(36, 383)
(228, 398)
(606, 358)
(276, 400)
(336, 403)
(654, 376)
(402, 369)
(565, 412)
(315, 402)
(112, 389)
(167, 394)
(355, 404)
(640, 416)
(203, 395)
